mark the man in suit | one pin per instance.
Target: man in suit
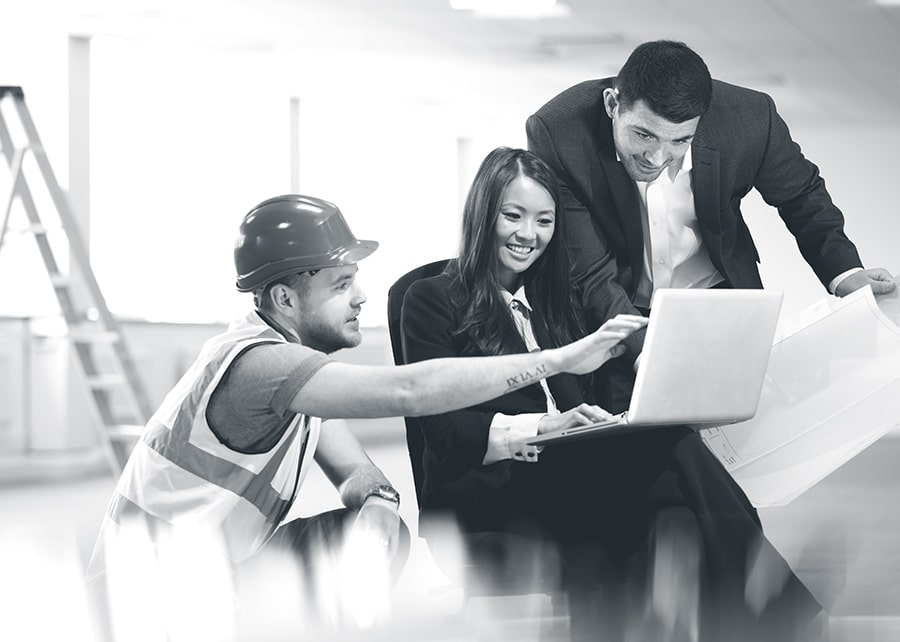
(654, 165)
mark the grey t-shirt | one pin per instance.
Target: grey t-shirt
(248, 410)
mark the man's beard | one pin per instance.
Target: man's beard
(326, 338)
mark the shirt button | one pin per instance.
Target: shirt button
(661, 261)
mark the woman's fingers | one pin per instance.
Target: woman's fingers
(588, 414)
(625, 321)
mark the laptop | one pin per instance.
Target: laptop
(703, 363)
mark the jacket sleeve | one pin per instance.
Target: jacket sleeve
(594, 267)
(455, 441)
(790, 182)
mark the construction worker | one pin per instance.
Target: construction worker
(222, 460)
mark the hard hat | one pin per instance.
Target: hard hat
(290, 234)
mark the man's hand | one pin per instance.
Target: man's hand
(364, 574)
(591, 352)
(579, 416)
(880, 279)
(378, 524)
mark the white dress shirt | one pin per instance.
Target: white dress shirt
(674, 254)
(508, 433)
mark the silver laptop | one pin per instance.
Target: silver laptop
(703, 363)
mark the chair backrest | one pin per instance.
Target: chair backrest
(415, 443)
(491, 583)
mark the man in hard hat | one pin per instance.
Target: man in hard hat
(222, 460)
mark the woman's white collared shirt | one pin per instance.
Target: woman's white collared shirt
(508, 433)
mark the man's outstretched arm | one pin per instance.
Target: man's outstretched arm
(441, 385)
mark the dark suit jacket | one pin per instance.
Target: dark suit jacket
(484, 498)
(603, 491)
(741, 143)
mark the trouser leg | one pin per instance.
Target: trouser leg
(331, 591)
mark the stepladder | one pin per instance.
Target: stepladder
(35, 205)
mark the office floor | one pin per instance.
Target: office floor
(842, 537)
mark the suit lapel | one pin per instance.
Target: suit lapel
(613, 188)
(705, 185)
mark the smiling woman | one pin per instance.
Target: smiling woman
(524, 227)
(507, 292)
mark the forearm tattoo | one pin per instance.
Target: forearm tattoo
(529, 376)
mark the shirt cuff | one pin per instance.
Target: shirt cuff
(836, 281)
(507, 437)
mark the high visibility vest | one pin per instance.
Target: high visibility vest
(180, 476)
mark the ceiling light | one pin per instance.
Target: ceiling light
(511, 8)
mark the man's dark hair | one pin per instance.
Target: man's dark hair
(669, 77)
(299, 282)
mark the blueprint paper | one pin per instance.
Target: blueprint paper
(832, 389)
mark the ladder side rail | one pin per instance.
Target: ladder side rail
(88, 366)
(101, 418)
(43, 243)
(79, 252)
(15, 168)
(101, 410)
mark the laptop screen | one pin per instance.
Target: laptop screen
(705, 356)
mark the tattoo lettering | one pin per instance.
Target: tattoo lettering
(525, 378)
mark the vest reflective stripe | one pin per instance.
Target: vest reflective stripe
(180, 473)
(255, 488)
(121, 509)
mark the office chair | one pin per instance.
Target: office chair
(415, 443)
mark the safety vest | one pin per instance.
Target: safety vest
(180, 477)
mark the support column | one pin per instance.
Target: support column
(79, 132)
(295, 144)
(77, 424)
(465, 170)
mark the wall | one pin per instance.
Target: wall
(859, 172)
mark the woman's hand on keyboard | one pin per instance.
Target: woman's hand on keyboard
(577, 416)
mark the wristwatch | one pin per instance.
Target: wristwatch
(384, 492)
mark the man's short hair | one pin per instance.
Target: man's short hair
(669, 77)
(299, 282)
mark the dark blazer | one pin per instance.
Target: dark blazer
(484, 498)
(741, 143)
(604, 491)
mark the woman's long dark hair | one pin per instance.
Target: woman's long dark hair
(486, 318)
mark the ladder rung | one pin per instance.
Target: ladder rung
(93, 336)
(125, 431)
(60, 280)
(34, 228)
(105, 381)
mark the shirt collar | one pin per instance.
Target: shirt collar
(687, 163)
(518, 296)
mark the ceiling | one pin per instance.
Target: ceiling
(828, 61)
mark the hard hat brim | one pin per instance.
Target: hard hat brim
(346, 255)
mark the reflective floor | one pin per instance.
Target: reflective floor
(842, 537)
